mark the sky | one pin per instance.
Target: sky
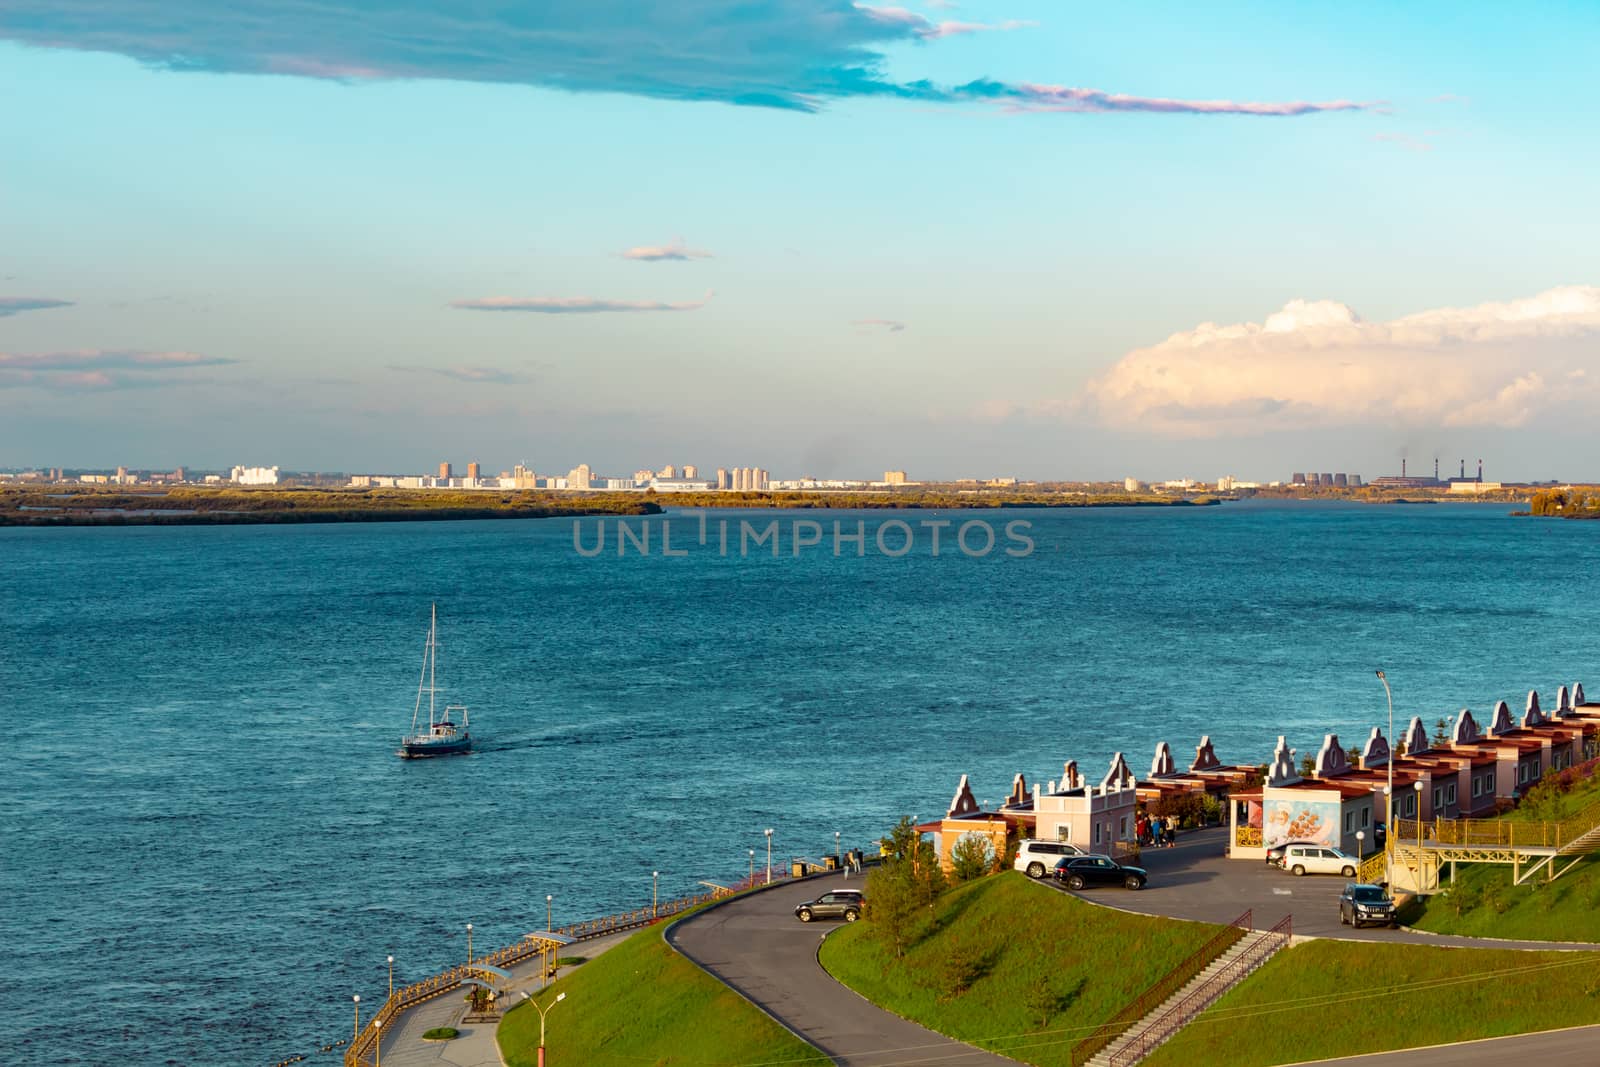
(1034, 238)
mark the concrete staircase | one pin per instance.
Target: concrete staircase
(1171, 1015)
(1583, 845)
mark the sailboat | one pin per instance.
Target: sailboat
(442, 737)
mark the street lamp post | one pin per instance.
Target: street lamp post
(391, 977)
(355, 1034)
(769, 855)
(377, 1042)
(548, 912)
(838, 856)
(752, 867)
(1417, 785)
(529, 997)
(469, 944)
(1388, 790)
(655, 886)
(1361, 844)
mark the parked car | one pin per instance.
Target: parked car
(1275, 853)
(1318, 859)
(838, 904)
(1077, 872)
(1360, 904)
(1036, 857)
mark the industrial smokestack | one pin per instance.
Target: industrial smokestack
(1480, 470)
(1402, 466)
(1435, 468)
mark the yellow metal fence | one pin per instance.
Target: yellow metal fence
(1503, 833)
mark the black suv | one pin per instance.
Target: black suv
(839, 904)
(1080, 871)
(1360, 904)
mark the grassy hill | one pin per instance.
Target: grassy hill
(1014, 967)
(640, 1004)
(1340, 998)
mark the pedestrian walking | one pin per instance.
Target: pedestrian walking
(855, 859)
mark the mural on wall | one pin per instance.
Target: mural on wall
(1315, 821)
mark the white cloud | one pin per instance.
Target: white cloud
(673, 250)
(1316, 363)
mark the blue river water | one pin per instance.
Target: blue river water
(209, 844)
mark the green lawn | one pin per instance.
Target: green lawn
(1041, 968)
(1338, 998)
(641, 1003)
(1484, 903)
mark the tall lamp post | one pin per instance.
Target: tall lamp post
(469, 944)
(752, 867)
(1417, 785)
(391, 977)
(549, 906)
(655, 886)
(769, 855)
(1388, 790)
(355, 1033)
(377, 1042)
(838, 856)
(529, 997)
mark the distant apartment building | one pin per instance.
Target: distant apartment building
(1132, 485)
(669, 471)
(523, 477)
(894, 477)
(254, 476)
(690, 472)
(1226, 483)
(579, 477)
(446, 471)
(642, 476)
(473, 472)
(724, 480)
(1297, 478)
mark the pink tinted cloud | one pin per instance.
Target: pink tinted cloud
(1031, 97)
(922, 27)
(674, 250)
(887, 325)
(574, 305)
(101, 369)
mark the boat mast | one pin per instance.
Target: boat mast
(433, 651)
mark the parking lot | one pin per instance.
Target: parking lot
(1194, 880)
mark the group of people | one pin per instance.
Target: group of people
(1156, 831)
(851, 861)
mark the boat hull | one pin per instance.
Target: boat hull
(455, 746)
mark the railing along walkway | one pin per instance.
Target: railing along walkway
(1157, 994)
(1260, 949)
(360, 1052)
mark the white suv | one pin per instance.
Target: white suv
(1318, 859)
(1038, 858)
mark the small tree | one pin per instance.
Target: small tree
(972, 856)
(1441, 732)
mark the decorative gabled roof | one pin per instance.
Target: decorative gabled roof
(963, 803)
(1161, 766)
(1070, 779)
(1416, 737)
(1501, 723)
(1578, 699)
(1019, 792)
(1118, 776)
(1205, 757)
(1331, 759)
(1376, 750)
(1466, 730)
(1563, 703)
(1283, 770)
(1534, 715)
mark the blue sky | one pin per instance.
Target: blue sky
(372, 236)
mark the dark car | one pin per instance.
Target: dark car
(1076, 872)
(839, 904)
(1360, 904)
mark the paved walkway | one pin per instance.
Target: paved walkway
(403, 1045)
(1194, 880)
(757, 946)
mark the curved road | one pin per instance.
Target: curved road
(757, 946)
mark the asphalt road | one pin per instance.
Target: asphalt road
(757, 946)
(1578, 1047)
(1194, 880)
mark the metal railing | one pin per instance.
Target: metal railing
(360, 1052)
(1157, 994)
(1374, 868)
(1248, 837)
(1204, 995)
(1503, 833)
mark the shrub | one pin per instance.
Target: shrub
(971, 857)
(440, 1033)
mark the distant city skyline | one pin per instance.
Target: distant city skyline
(834, 238)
